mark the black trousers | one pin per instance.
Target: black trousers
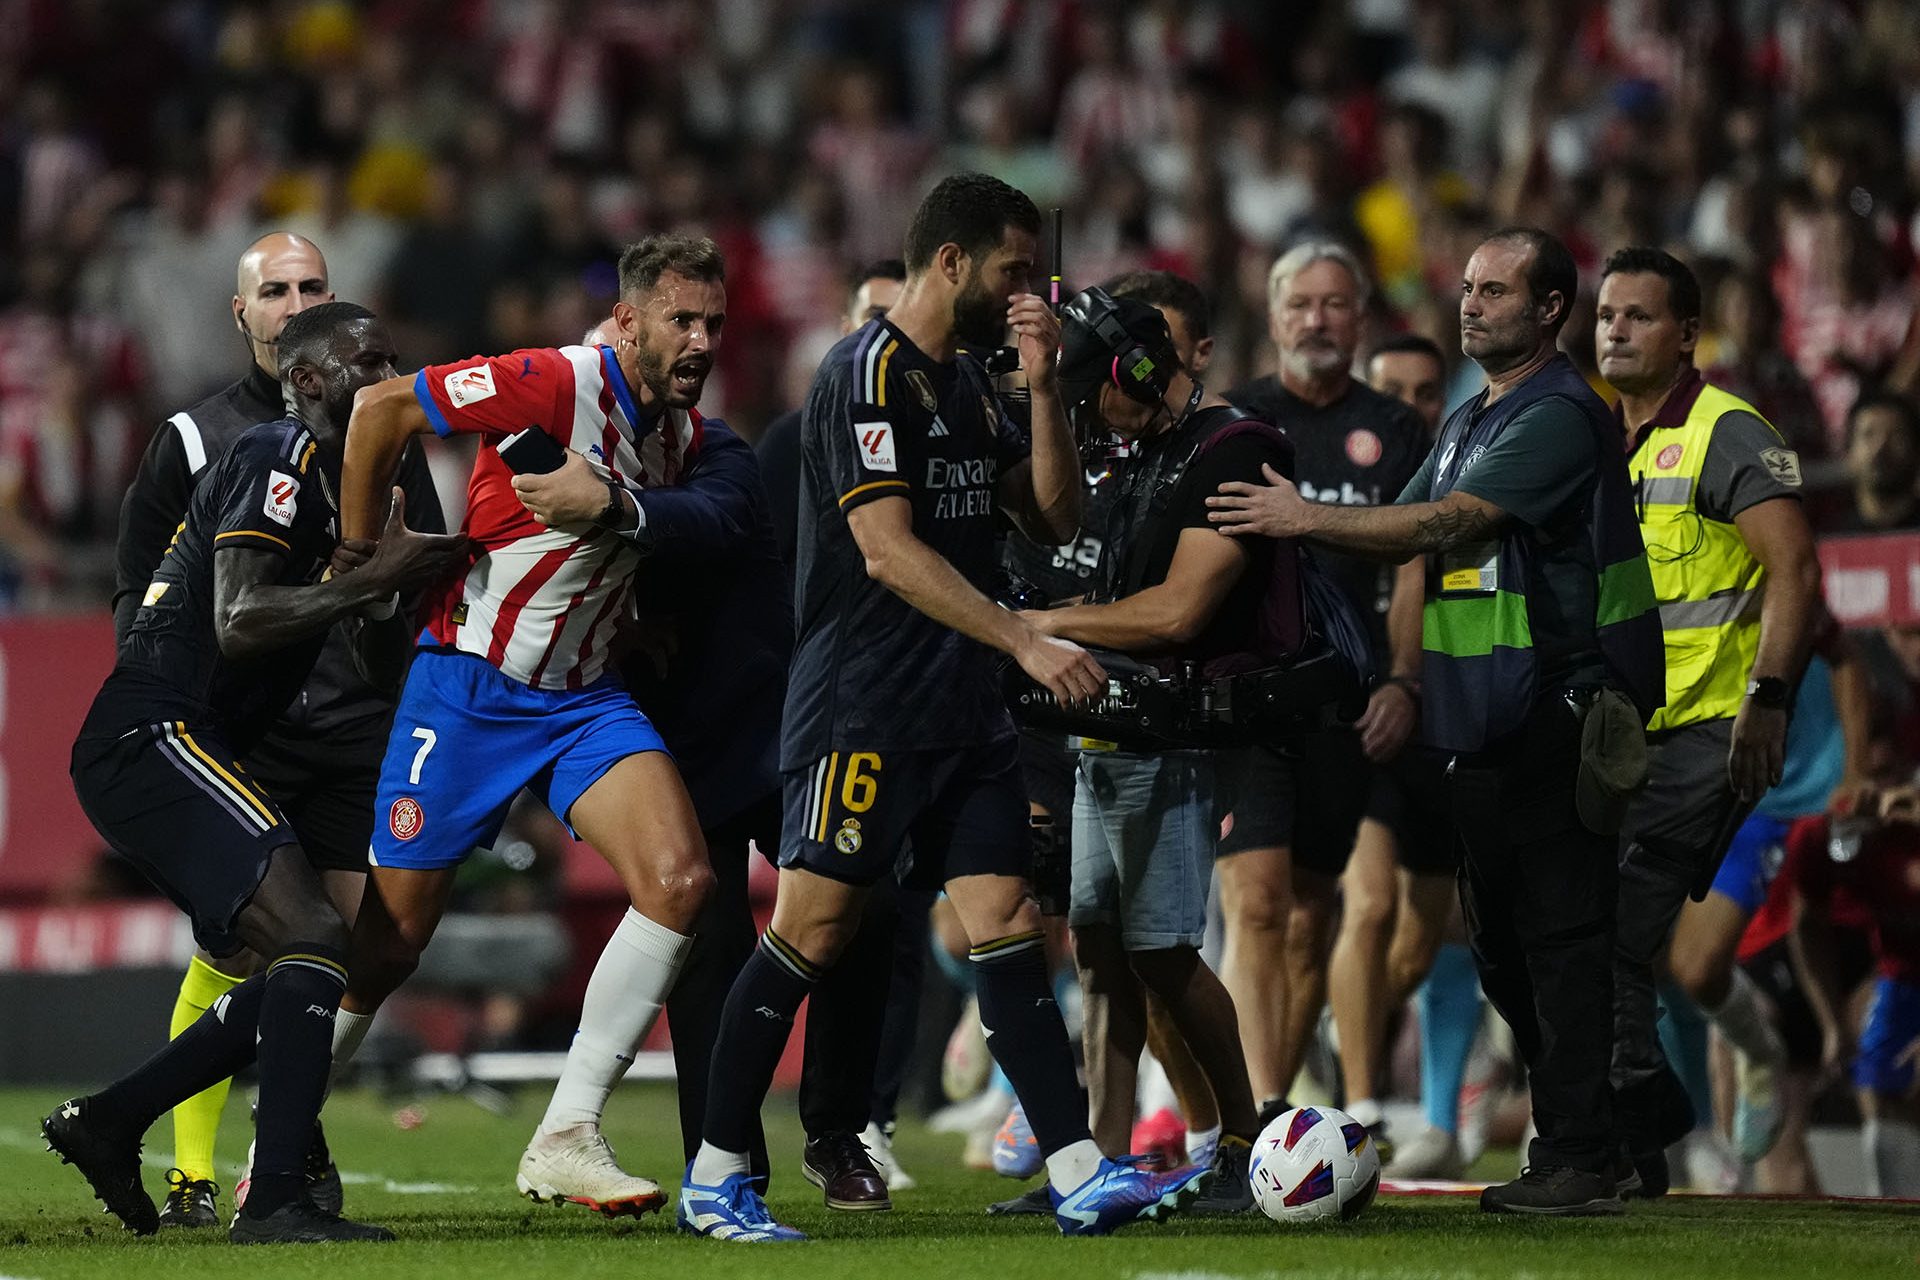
(860, 1019)
(1539, 892)
(1675, 836)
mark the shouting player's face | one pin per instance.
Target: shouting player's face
(987, 286)
(675, 331)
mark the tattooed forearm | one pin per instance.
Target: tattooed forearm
(1443, 527)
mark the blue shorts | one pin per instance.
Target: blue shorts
(1144, 830)
(466, 739)
(1752, 861)
(1893, 1024)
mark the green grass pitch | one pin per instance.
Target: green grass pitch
(446, 1188)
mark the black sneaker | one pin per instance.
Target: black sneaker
(1626, 1176)
(1229, 1189)
(190, 1201)
(1382, 1144)
(109, 1161)
(1034, 1200)
(1651, 1177)
(1555, 1192)
(323, 1176)
(1272, 1109)
(298, 1222)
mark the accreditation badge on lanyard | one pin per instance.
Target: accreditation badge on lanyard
(1470, 570)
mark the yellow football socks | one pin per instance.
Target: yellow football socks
(196, 1121)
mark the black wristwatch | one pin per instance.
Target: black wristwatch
(1770, 692)
(615, 511)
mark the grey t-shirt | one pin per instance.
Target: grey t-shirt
(1747, 463)
(1542, 471)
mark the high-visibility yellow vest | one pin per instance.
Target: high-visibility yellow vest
(1708, 584)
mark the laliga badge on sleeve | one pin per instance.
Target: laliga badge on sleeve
(282, 503)
(469, 386)
(876, 445)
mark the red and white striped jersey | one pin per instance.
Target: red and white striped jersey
(541, 604)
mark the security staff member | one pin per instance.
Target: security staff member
(320, 760)
(1738, 586)
(1539, 617)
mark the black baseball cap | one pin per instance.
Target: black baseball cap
(1096, 329)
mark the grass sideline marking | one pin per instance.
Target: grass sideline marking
(21, 1140)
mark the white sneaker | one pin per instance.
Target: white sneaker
(879, 1143)
(1758, 1116)
(967, 1062)
(243, 1186)
(576, 1166)
(1710, 1164)
(1433, 1153)
(985, 1109)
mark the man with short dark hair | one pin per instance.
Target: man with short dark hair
(1538, 619)
(320, 760)
(226, 634)
(511, 686)
(1738, 586)
(895, 725)
(1883, 459)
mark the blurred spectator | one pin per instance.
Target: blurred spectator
(1883, 460)
(476, 167)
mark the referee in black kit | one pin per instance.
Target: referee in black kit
(320, 760)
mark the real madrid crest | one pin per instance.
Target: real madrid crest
(923, 389)
(847, 838)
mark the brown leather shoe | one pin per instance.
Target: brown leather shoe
(839, 1165)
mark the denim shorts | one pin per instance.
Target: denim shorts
(1144, 829)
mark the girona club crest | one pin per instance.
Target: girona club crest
(404, 819)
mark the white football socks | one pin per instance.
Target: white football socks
(631, 981)
(712, 1166)
(1365, 1110)
(1893, 1156)
(1069, 1168)
(1744, 1022)
(349, 1029)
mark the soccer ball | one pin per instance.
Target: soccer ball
(1314, 1162)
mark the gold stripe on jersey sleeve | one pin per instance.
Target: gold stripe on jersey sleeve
(872, 484)
(880, 379)
(253, 533)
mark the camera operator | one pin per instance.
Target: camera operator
(1177, 590)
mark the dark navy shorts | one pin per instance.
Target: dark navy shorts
(851, 814)
(173, 799)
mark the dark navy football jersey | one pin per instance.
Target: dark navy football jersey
(271, 491)
(871, 672)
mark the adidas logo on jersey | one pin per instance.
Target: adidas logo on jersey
(938, 428)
